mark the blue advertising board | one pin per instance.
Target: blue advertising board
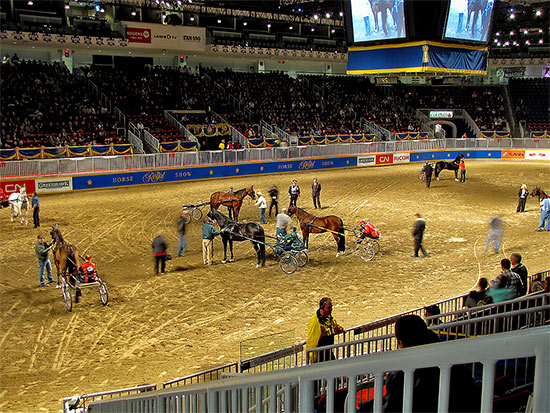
(111, 180)
(452, 154)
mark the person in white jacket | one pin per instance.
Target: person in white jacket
(263, 206)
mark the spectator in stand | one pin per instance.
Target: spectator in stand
(479, 295)
(521, 270)
(321, 329)
(522, 198)
(221, 146)
(507, 285)
(411, 331)
(430, 311)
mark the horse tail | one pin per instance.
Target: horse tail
(341, 237)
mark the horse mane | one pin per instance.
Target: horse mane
(57, 236)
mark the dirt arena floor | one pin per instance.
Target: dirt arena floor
(156, 328)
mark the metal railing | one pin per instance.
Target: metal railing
(151, 140)
(83, 400)
(203, 376)
(294, 389)
(136, 142)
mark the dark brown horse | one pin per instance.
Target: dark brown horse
(233, 231)
(538, 192)
(65, 255)
(316, 225)
(232, 200)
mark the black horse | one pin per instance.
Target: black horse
(233, 231)
(452, 166)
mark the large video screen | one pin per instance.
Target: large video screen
(374, 20)
(469, 20)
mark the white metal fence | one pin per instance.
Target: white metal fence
(49, 167)
(294, 389)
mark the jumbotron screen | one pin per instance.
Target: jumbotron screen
(376, 20)
(469, 20)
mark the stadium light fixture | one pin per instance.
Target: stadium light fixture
(527, 42)
(341, 14)
(316, 16)
(499, 44)
(526, 31)
(539, 12)
(268, 25)
(133, 12)
(332, 30)
(540, 30)
(245, 23)
(192, 18)
(498, 33)
(290, 27)
(512, 16)
(313, 29)
(219, 21)
(496, 40)
(30, 3)
(512, 33)
(541, 41)
(327, 15)
(67, 6)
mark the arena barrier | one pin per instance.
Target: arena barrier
(60, 176)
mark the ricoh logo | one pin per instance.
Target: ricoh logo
(401, 157)
(304, 165)
(155, 176)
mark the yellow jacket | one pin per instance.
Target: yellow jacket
(321, 331)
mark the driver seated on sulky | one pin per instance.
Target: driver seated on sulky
(292, 241)
(88, 269)
(368, 230)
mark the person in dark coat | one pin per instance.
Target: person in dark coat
(418, 234)
(316, 193)
(159, 252)
(411, 331)
(522, 198)
(274, 195)
(479, 295)
(293, 193)
(428, 170)
(521, 270)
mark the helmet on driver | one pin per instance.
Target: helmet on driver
(87, 257)
(363, 222)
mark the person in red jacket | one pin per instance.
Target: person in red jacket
(89, 270)
(368, 230)
(462, 170)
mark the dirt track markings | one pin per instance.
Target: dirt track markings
(64, 345)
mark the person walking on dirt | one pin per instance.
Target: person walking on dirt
(159, 252)
(316, 193)
(428, 171)
(42, 249)
(181, 230)
(321, 329)
(35, 205)
(418, 235)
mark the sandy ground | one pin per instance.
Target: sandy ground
(156, 328)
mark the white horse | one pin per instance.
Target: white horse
(19, 203)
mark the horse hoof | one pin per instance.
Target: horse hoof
(456, 180)
(231, 260)
(258, 265)
(224, 261)
(338, 254)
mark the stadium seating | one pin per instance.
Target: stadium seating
(531, 102)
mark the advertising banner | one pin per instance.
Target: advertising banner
(384, 159)
(537, 154)
(208, 172)
(15, 185)
(366, 160)
(160, 36)
(401, 157)
(54, 185)
(513, 154)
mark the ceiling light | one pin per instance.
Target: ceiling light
(192, 18)
(498, 44)
(496, 40)
(179, 2)
(67, 6)
(332, 30)
(527, 42)
(511, 33)
(341, 14)
(525, 31)
(245, 23)
(540, 30)
(512, 16)
(541, 41)
(539, 12)
(315, 16)
(133, 13)
(498, 33)
(268, 25)
(327, 15)
(290, 27)
(30, 3)
(219, 21)
(313, 29)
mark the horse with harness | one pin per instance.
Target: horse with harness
(452, 166)
(316, 225)
(232, 200)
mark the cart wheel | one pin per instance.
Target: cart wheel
(197, 214)
(421, 176)
(66, 291)
(376, 245)
(187, 218)
(302, 258)
(366, 252)
(288, 263)
(103, 294)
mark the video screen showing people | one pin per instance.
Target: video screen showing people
(377, 20)
(469, 20)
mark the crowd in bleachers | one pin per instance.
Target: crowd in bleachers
(531, 102)
(44, 104)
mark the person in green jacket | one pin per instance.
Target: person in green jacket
(293, 241)
(208, 234)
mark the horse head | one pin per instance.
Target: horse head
(291, 210)
(535, 192)
(55, 233)
(250, 192)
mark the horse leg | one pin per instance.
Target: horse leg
(224, 241)
(232, 259)
(258, 254)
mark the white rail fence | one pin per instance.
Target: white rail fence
(294, 389)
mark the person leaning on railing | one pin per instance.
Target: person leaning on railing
(321, 329)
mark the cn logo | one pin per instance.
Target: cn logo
(384, 159)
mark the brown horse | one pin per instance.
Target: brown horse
(538, 192)
(316, 225)
(65, 255)
(232, 200)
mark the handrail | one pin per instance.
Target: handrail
(151, 140)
